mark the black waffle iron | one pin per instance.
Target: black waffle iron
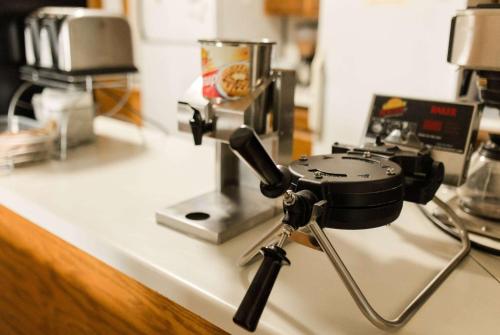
(351, 188)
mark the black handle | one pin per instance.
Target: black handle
(451, 38)
(252, 306)
(199, 126)
(495, 138)
(248, 146)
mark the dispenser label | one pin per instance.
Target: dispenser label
(226, 71)
(412, 122)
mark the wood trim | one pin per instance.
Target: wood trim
(301, 121)
(302, 144)
(301, 8)
(126, 7)
(302, 137)
(94, 3)
(48, 286)
(108, 98)
(98, 4)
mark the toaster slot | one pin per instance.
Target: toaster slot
(49, 41)
(32, 41)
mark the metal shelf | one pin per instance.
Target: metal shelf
(84, 82)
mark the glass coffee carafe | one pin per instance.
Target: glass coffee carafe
(480, 195)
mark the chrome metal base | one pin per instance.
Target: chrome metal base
(319, 240)
(484, 233)
(473, 224)
(219, 216)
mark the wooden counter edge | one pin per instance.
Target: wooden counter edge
(48, 286)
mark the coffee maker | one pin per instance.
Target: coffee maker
(474, 48)
(261, 98)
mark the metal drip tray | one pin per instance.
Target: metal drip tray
(218, 216)
(474, 224)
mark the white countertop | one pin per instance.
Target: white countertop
(103, 200)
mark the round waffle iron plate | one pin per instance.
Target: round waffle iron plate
(362, 192)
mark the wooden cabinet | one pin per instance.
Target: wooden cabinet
(107, 98)
(301, 8)
(302, 137)
(48, 286)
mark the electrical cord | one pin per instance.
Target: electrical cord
(119, 103)
(148, 120)
(15, 99)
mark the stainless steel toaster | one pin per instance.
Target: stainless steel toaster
(78, 40)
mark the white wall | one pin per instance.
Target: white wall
(381, 46)
(245, 19)
(169, 52)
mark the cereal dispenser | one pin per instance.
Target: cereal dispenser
(237, 87)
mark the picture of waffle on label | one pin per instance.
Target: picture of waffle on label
(234, 80)
(393, 107)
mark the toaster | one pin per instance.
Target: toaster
(78, 40)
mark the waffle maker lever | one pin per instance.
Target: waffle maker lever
(352, 188)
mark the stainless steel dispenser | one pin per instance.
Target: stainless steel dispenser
(235, 205)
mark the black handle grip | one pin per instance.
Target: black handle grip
(245, 142)
(252, 306)
(199, 126)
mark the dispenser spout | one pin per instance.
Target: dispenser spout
(199, 126)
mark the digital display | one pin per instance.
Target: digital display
(432, 125)
(443, 125)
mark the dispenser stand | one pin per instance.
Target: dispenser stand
(227, 211)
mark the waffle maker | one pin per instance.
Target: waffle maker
(351, 188)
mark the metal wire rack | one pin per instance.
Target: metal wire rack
(86, 82)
